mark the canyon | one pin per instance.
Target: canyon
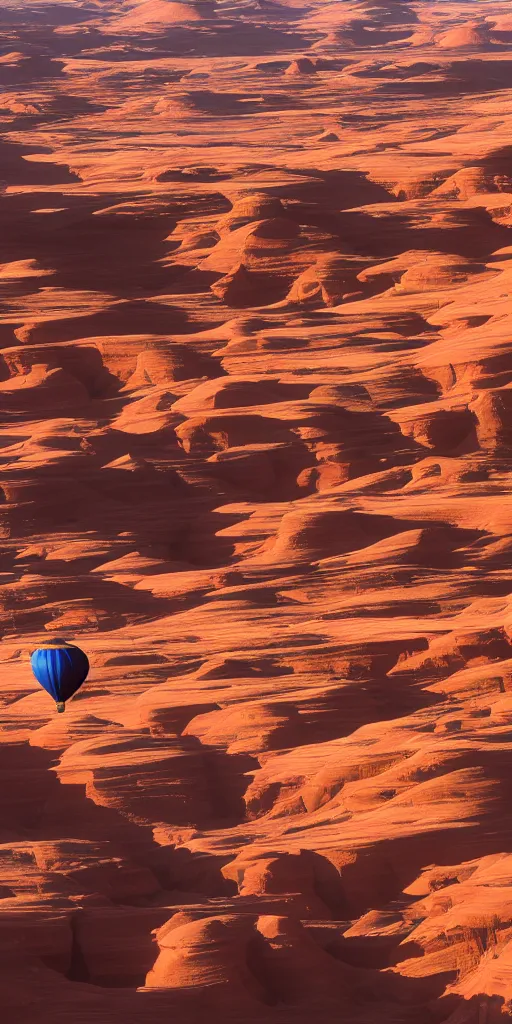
(255, 445)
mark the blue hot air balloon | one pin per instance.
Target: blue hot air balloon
(60, 668)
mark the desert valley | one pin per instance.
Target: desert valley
(256, 460)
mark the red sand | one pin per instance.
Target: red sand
(256, 385)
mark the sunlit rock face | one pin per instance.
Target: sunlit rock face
(256, 430)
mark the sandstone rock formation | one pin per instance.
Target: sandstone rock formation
(256, 421)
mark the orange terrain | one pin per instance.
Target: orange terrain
(256, 460)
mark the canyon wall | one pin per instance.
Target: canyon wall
(256, 428)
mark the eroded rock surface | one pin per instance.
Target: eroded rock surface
(256, 398)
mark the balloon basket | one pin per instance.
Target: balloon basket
(61, 706)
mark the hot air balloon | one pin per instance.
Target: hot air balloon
(60, 668)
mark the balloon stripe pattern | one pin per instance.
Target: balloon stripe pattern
(60, 670)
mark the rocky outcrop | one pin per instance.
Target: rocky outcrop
(255, 380)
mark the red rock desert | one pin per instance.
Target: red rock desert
(256, 447)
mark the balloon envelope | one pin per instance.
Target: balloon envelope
(61, 670)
